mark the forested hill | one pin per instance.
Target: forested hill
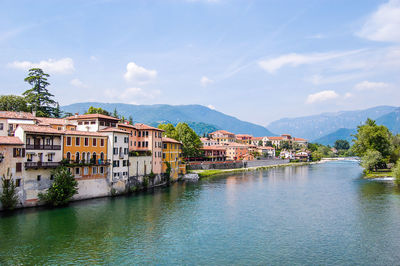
(160, 113)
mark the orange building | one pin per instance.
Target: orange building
(172, 153)
(236, 151)
(86, 153)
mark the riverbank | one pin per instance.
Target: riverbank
(378, 174)
(214, 172)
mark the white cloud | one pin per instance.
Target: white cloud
(371, 86)
(78, 83)
(348, 95)
(322, 96)
(212, 107)
(138, 74)
(206, 81)
(272, 65)
(64, 65)
(384, 24)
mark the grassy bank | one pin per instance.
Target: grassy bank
(213, 172)
(377, 174)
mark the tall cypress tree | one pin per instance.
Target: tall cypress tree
(38, 97)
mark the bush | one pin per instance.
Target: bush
(396, 173)
(145, 182)
(372, 160)
(8, 197)
(62, 190)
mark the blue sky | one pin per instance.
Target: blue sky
(256, 60)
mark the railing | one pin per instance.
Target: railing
(87, 163)
(43, 147)
(30, 165)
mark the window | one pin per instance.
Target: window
(101, 123)
(115, 139)
(50, 157)
(134, 143)
(28, 141)
(48, 141)
(86, 122)
(147, 144)
(18, 182)
(102, 156)
(18, 167)
(85, 170)
(68, 155)
(1, 126)
(68, 141)
(135, 133)
(102, 142)
(77, 156)
(29, 157)
(165, 145)
(77, 141)
(115, 151)
(101, 170)
(92, 122)
(138, 144)
(86, 142)
(115, 163)
(131, 143)
(77, 171)
(59, 128)
(94, 170)
(94, 142)
(124, 163)
(143, 144)
(140, 133)
(38, 177)
(94, 156)
(51, 177)
(163, 155)
(147, 133)
(79, 123)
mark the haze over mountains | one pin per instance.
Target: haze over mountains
(162, 113)
(324, 128)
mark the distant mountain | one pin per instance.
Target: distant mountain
(317, 126)
(175, 113)
(391, 121)
(342, 133)
(200, 128)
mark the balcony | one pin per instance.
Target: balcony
(92, 162)
(37, 165)
(43, 147)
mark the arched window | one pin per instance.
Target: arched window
(88, 157)
(83, 156)
(102, 156)
(94, 156)
(77, 156)
(68, 155)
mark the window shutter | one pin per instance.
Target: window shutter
(18, 167)
(23, 152)
(14, 152)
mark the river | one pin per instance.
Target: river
(316, 214)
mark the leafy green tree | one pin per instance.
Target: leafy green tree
(115, 113)
(130, 120)
(260, 143)
(316, 156)
(370, 136)
(94, 110)
(8, 197)
(170, 131)
(396, 172)
(342, 144)
(63, 188)
(268, 144)
(285, 145)
(191, 143)
(39, 98)
(13, 103)
(371, 160)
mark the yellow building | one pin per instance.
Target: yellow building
(86, 153)
(172, 153)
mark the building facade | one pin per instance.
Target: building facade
(172, 154)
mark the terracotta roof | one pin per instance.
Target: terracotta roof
(17, 115)
(125, 125)
(275, 138)
(286, 135)
(10, 141)
(165, 139)
(213, 148)
(144, 126)
(88, 116)
(258, 138)
(237, 145)
(40, 129)
(299, 139)
(266, 148)
(83, 133)
(222, 132)
(243, 135)
(53, 121)
(113, 129)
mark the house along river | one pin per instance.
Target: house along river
(317, 214)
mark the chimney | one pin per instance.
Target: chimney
(76, 114)
(34, 113)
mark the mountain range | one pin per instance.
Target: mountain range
(202, 118)
(328, 126)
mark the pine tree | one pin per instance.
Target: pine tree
(39, 98)
(130, 120)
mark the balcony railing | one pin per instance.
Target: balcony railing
(91, 162)
(36, 165)
(43, 147)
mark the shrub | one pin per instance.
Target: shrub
(8, 197)
(371, 160)
(62, 190)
